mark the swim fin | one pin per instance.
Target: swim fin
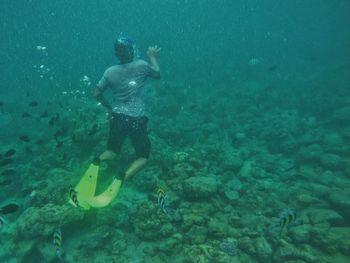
(107, 196)
(86, 187)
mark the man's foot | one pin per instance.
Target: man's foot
(120, 176)
(96, 161)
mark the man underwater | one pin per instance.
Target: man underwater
(127, 113)
(126, 119)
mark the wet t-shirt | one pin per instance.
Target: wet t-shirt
(126, 82)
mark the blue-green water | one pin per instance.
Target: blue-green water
(251, 117)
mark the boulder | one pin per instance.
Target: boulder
(300, 234)
(318, 216)
(340, 200)
(332, 161)
(201, 187)
(341, 115)
(263, 249)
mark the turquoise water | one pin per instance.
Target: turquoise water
(249, 124)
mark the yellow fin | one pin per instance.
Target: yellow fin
(87, 186)
(107, 196)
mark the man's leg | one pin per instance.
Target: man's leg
(142, 146)
(107, 155)
(117, 135)
(136, 166)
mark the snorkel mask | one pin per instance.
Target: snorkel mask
(125, 49)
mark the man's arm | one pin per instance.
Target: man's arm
(152, 53)
(100, 98)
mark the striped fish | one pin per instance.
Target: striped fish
(73, 196)
(288, 217)
(57, 240)
(163, 202)
(2, 222)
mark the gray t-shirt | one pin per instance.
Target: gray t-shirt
(126, 82)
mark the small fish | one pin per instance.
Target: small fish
(57, 241)
(6, 161)
(6, 182)
(229, 248)
(9, 153)
(2, 222)
(163, 202)
(8, 172)
(33, 104)
(58, 134)
(64, 156)
(73, 196)
(39, 142)
(54, 119)
(93, 130)
(1, 104)
(24, 138)
(1, 156)
(193, 106)
(254, 61)
(26, 115)
(9, 209)
(28, 150)
(287, 218)
(272, 68)
(59, 144)
(45, 114)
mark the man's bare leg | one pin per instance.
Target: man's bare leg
(107, 155)
(136, 166)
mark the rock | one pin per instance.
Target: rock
(332, 141)
(289, 253)
(310, 153)
(318, 216)
(300, 234)
(190, 219)
(184, 170)
(168, 245)
(251, 221)
(231, 195)
(200, 188)
(346, 133)
(232, 160)
(342, 115)
(340, 199)
(37, 222)
(304, 200)
(263, 249)
(234, 185)
(196, 235)
(319, 190)
(246, 244)
(246, 170)
(217, 228)
(150, 176)
(332, 161)
(342, 235)
(167, 230)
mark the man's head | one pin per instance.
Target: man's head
(125, 49)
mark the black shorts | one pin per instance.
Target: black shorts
(121, 126)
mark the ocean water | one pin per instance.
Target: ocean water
(249, 125)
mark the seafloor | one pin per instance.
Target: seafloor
(230, 159)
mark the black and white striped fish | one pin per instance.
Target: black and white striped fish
(288, 217)
(73, 196)
(2, 222)
(57, 241)
(163, 202)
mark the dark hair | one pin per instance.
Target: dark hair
(124, 50)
